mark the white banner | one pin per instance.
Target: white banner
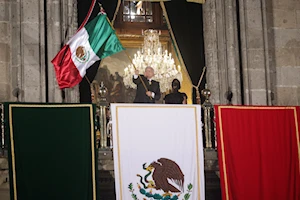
(158, 152)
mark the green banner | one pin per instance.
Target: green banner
(52, 151)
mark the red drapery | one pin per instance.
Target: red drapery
(259, 152)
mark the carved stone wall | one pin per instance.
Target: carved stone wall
(266, 56)
(254, 49)
(62, 25)
(221, 50)
(5, 49)
(269, 50)
(23, 50)
(284, 49)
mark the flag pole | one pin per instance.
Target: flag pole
(200, 80)
(138, 74)
(88, 15)
(198, 98)
(87, 79)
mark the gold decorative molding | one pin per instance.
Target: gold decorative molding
(153, 0)
(136, 41)
(196, 1)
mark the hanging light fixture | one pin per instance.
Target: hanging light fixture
(153, 55)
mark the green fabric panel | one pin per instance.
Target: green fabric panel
(53, 152)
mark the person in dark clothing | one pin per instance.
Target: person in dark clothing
(176, 97)
(152, 93)
(184, 98)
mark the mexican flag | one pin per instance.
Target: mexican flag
(95, 41)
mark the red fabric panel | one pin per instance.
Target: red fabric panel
(258, 150)
(67, 74)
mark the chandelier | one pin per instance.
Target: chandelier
(153, 55)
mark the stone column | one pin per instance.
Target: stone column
(255, 53)
(27, 40)
(5, 49)
(62, 19)
(211, 54)
(72, 94)
(221, 50)
(23, 49)
(284, 49)
(232, 51)
(54, 39)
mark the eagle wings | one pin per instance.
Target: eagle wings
(165, 169)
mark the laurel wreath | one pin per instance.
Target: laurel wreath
(158, 196)
(130, 187)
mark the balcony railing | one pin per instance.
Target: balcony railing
(105, 126)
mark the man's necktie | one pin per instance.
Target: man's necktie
(149, 82)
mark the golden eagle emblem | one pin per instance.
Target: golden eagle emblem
(168, 179)
(81, 54)
(165, 169)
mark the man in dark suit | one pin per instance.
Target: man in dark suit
(152, 93)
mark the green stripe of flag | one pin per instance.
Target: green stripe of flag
(102, 37)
